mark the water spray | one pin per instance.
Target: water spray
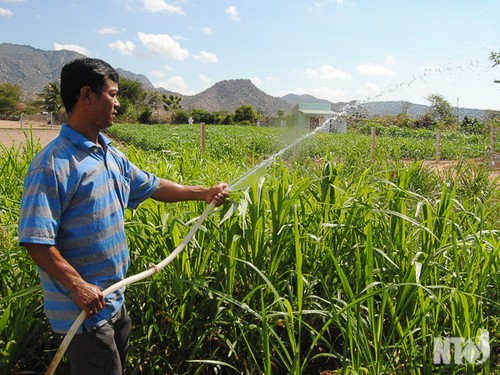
(155, 268)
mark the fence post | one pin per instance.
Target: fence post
(438, 145)
(372, 142)
(21, 121)
(492, 140)
(202, 137)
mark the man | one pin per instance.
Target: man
(72, 218)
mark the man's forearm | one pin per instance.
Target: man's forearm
(87, 296)
(169, 191)
(49, 259)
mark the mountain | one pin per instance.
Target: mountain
(231, 94)
(146, 83)
(392, 108)
(387, 108)
(33, 68)
(305, 98)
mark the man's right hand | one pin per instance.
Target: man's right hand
(88, 297)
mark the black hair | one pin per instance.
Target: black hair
(84, 72)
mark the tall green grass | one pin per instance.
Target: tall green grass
(333, 264)
(23, 332)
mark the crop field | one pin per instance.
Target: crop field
(327, 260)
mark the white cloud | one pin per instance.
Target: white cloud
(320, 5)
(71, 47)
(205, 56)
(176, 84)
(4, 12)
(326, 73)
(390, 60)
(256, 81)
(164, 45)
(333, 95)
(158, 74)
(125, 48)
(207, 30)
(156, 6)
(203, 78)
(370, 89)
(315, 5)
(108, 31)
(162, 73)
(374, 70)
(232, 12)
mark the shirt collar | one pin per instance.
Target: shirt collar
(79, 140)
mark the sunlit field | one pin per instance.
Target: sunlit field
(331, 260)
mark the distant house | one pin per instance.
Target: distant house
(309, 116)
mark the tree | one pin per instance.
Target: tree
(223, 117)
(181, 117)
(51, 98)
(154, 100)
(10, 96)
(245, 113)
(171, 102)
(472, 126)
(202, 115)
(424, 122)
(495, 59)
(132, 98)
(441, 110)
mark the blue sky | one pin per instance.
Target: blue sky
(340, 50)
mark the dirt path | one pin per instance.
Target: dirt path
(11, 133)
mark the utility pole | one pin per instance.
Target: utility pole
(458, 112)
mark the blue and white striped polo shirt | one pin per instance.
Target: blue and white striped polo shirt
(75, 195)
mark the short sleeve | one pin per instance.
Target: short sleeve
(142, 186)
(40, 208)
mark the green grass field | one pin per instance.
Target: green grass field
(326, 261)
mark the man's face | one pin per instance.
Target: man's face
(106, 105)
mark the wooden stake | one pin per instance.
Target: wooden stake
(203, 135)
(438, 146)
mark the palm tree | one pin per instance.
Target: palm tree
(51, 98)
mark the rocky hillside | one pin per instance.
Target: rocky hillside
(33, 68)
(231, 94)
